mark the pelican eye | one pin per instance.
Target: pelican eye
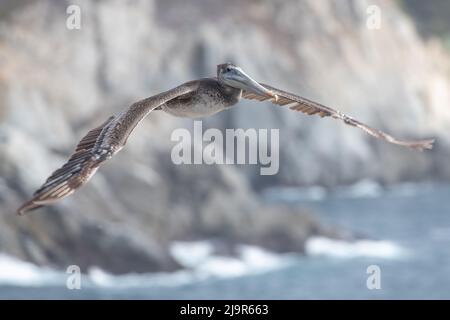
(228, 69)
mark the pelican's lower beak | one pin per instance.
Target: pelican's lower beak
(243, 81)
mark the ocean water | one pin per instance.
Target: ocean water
(407, 231)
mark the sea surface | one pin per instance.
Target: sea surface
(406, 255)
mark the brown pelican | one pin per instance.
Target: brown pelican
(197, 98)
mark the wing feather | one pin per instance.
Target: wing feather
(74, 173)
(309, 107)
(97, 146)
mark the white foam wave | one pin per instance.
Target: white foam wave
(200, 261)
(200, 257)
(365, 188)
(362, 189)
(197, 257)
(293, 194)
(20, 273)
(99, 278)
(319, 246)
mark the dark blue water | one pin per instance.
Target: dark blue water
(416, 220)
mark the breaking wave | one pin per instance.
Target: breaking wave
(319, 246)
(200, 262)
(198, 258)
(365, 188)
(20, 273)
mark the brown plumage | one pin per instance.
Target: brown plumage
(99, 145)
(198, 98)
(297, 103)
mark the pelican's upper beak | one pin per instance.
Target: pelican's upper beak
(239, 79)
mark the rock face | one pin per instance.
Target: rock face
(56, 84)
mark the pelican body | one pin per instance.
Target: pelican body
(193, 99)
(209, 98)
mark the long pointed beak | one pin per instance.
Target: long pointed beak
(243, 81)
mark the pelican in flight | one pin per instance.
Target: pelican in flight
(197, 98)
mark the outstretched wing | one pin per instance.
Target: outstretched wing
(97, 146)
(309, 107)
(80, 167)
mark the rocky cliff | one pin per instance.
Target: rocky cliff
(56, 84)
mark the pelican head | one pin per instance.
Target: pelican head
(235, 77)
